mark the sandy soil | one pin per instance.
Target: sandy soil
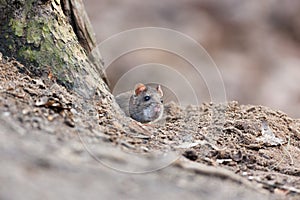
(57, 145)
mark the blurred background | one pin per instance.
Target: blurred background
(255, 44)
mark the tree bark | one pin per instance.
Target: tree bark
(53, 37)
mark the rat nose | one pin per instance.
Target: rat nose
(157, 108)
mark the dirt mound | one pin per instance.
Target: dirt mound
(53, 142)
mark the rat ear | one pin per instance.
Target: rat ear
(139, 88)
(158, 88)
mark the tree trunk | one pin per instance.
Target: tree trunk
(54, 38)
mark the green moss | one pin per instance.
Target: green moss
(47, 56)
(27, 53)
(34, 33)
(17, 26)
(45, 30)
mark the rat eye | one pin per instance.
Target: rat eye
(147, 98)
(161, 101)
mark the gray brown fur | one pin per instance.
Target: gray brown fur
(134, 105)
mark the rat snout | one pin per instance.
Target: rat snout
(157, 108)
(153, 112)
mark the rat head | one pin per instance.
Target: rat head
(146, 103)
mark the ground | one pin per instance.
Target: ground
(56, 144)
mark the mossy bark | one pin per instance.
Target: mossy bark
(52, 36)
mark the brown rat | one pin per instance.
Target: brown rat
(143, 104)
